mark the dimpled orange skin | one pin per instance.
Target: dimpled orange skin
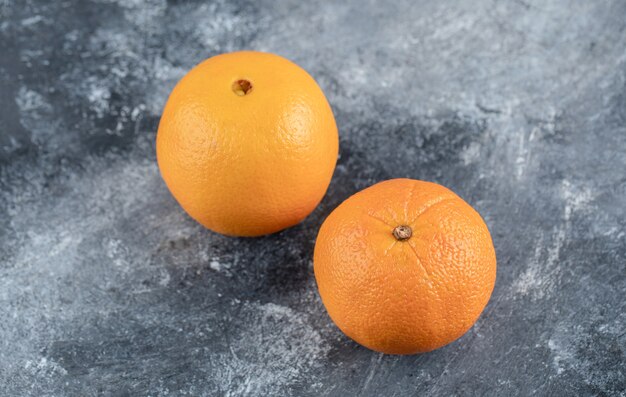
(253, 164)
(404, 296)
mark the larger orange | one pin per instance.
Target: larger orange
(247, 143)
(404, 266)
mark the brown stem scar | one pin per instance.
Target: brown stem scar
(402, 232)
(242, 87)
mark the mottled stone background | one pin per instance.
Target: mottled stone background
(107, 287)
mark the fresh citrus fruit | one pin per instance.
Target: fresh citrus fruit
(247, 143)
(404, 266)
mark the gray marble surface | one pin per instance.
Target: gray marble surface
(108, 288)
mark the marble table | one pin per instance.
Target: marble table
(108, 288)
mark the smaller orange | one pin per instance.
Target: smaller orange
(404, 266)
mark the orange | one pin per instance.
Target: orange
(247, 143)
(404, 266)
